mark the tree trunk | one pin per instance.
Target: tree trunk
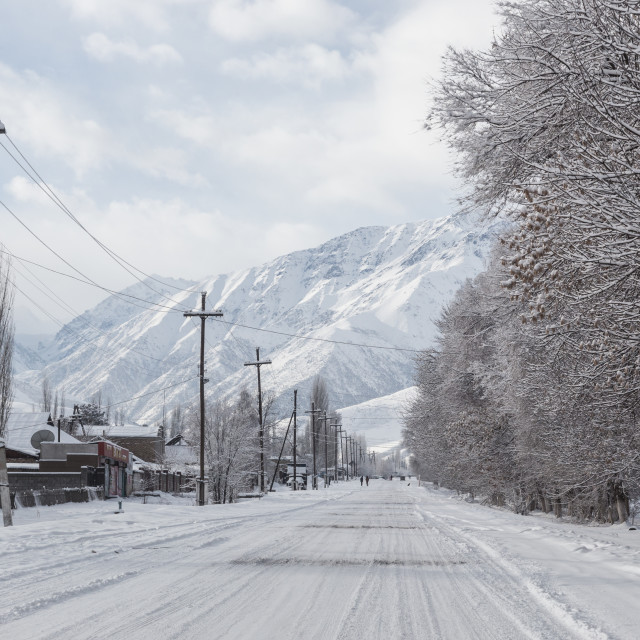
(557, 508)
(621, 504)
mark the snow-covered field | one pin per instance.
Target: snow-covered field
(389, 561)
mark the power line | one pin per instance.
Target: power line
(120, 294)
(295, 335)
(48, 191)
(115, 404)
(65, 326)
(55, 253)
(98, 348)
(173, 310)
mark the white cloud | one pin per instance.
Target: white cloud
(169, 163)
(160, 231)
(309, 65)
(99, 46)
(233, 159)
(282, 236)
(47, 120)
(152, 14)
(255, 20)
(196, 127)
(24, 190)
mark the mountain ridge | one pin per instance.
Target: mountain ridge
(380, 286)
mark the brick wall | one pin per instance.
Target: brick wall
(37, 480)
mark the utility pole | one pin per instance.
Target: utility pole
(314, 484)
(203, 315)
(342, 453)
(5, 494)
(354, 452)
(257, 364)
(324, 419)
(335, 450)
(295, 430)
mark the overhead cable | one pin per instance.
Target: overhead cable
(50, 193)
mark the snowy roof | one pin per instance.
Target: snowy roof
(178, 441)
(131, 430)
(21, 427)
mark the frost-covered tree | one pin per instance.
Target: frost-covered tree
(320, 400)
(546, 128)
(458, 427)
(46, 394)
(497, 415)
(177, 420)
(91, 414)
(231, 446)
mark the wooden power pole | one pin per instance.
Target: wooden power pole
(324, 419)
(335, 426)
(294, 484)
(314, 484)
(342, 456)
(5, 494)
(257, 364)
(203, 315)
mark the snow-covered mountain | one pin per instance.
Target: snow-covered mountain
(375, 286)
(379, 419)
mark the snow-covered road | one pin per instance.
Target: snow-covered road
(386, 561)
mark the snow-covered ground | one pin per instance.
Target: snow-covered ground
(390, 561)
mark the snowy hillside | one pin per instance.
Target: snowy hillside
(374, 286)
(379, 419)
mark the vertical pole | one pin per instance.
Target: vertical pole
(335, 453)
(257, 364)
(295, 451)
(342, 456)
(284, 442)
(313, 437)
(5, 494)
(203, 315)
(261, 432)
(326, 465)
(202, 414)
(58, 429)
(347, 443)
(354, 456)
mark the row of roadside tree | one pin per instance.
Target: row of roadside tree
(530, 398)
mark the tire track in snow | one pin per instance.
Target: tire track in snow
(514, 592)
(59, 597)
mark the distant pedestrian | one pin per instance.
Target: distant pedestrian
(361, 479)
(367, 479)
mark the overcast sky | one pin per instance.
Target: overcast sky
(197, 137)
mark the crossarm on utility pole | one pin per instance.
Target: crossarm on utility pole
(257, 364)
(203, 315)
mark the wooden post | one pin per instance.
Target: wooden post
(295, 435)
(5, 494)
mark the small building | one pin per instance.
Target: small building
(144, 441)
(111, 464)
(25, 432)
